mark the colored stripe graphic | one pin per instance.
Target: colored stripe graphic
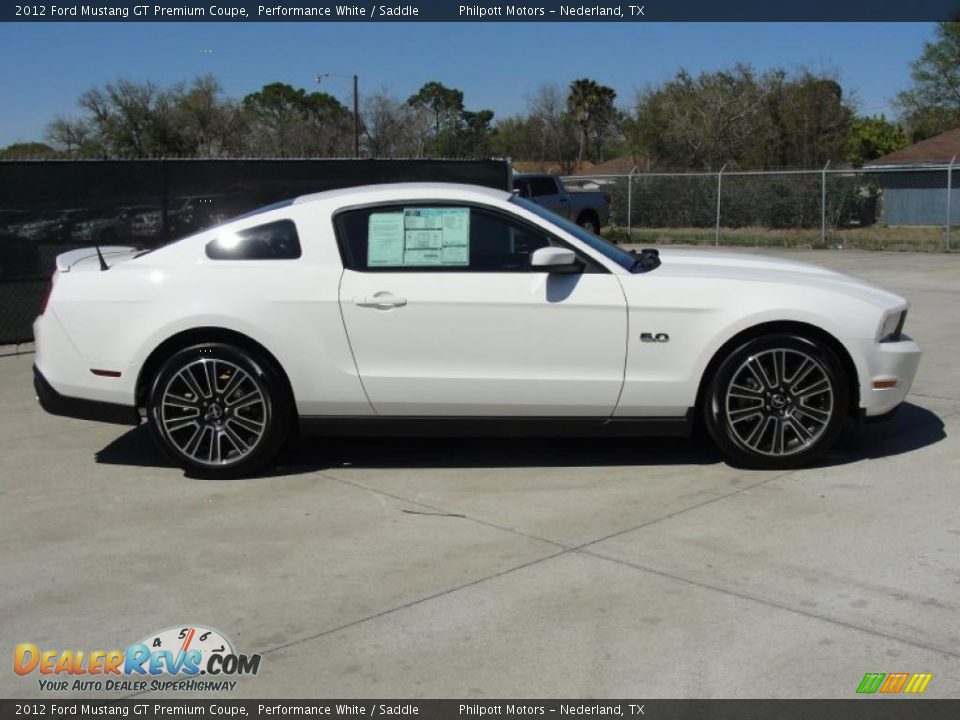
(918, 682)
(894, 683)
(870, 683)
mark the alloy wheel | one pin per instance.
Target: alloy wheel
(214, 412)
(779, 402)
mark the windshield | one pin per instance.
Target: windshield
(623, 258)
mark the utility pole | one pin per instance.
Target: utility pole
(356, 108)
(356, 117)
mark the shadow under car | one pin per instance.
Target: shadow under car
(912, 428)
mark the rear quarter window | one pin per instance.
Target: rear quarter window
(271, 241)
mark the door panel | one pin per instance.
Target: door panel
(487, 343)
(445, 316)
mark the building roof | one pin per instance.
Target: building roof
(938, 150)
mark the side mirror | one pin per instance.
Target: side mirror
(555, 260)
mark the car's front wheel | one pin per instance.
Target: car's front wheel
(777, 401)
(219, 411)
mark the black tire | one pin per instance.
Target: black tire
(589, 222)
(243, 420)
(777, 401)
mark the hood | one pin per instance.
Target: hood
(746, 267)
(84, 259)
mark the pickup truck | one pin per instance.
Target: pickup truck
(589, 209)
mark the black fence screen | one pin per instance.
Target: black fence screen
(49, 207)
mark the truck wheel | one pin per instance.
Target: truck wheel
(219, 411)
(589, 222)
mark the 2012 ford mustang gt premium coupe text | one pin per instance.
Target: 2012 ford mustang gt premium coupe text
(451, 309)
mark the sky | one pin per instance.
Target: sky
(45, 66)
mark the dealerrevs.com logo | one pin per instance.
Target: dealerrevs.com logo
(172, 659)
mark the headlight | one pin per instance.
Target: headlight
(892, 326)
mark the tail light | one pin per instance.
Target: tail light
(607, 197)
(46, 294)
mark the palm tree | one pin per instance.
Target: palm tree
(591, 104)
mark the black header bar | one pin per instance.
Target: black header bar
(635, 11)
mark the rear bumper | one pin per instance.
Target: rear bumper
(57, 404)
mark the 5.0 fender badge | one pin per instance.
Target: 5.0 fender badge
(654, 337)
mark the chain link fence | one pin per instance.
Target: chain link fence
(897, 208)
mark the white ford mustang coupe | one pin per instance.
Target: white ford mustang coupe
(430, 308)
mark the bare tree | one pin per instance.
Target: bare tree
(546, 132)
(393, 128)
(207, 123)
(71, 135)
(130, 119)
(555, 126)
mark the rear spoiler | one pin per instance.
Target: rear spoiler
(67, 260)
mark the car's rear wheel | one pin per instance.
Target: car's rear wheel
(777, 401)
(219, 411)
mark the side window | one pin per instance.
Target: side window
(424, 238)
(271, 241)
(541, 186)
(522, 186)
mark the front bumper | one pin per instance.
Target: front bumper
(891, 368)
(57, 404)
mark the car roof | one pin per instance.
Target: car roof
(397, 191)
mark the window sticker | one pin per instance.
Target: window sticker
(419, 237)
(385, 240)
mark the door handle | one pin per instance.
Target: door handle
(381, 301)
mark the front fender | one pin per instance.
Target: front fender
(663, 378)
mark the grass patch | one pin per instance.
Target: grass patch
(876, 237)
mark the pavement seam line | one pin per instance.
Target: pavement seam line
(397, 608)
(768, 602)
(453, 513)
(905, 431)
(413, 603)
(646, 523)
(675, 513)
